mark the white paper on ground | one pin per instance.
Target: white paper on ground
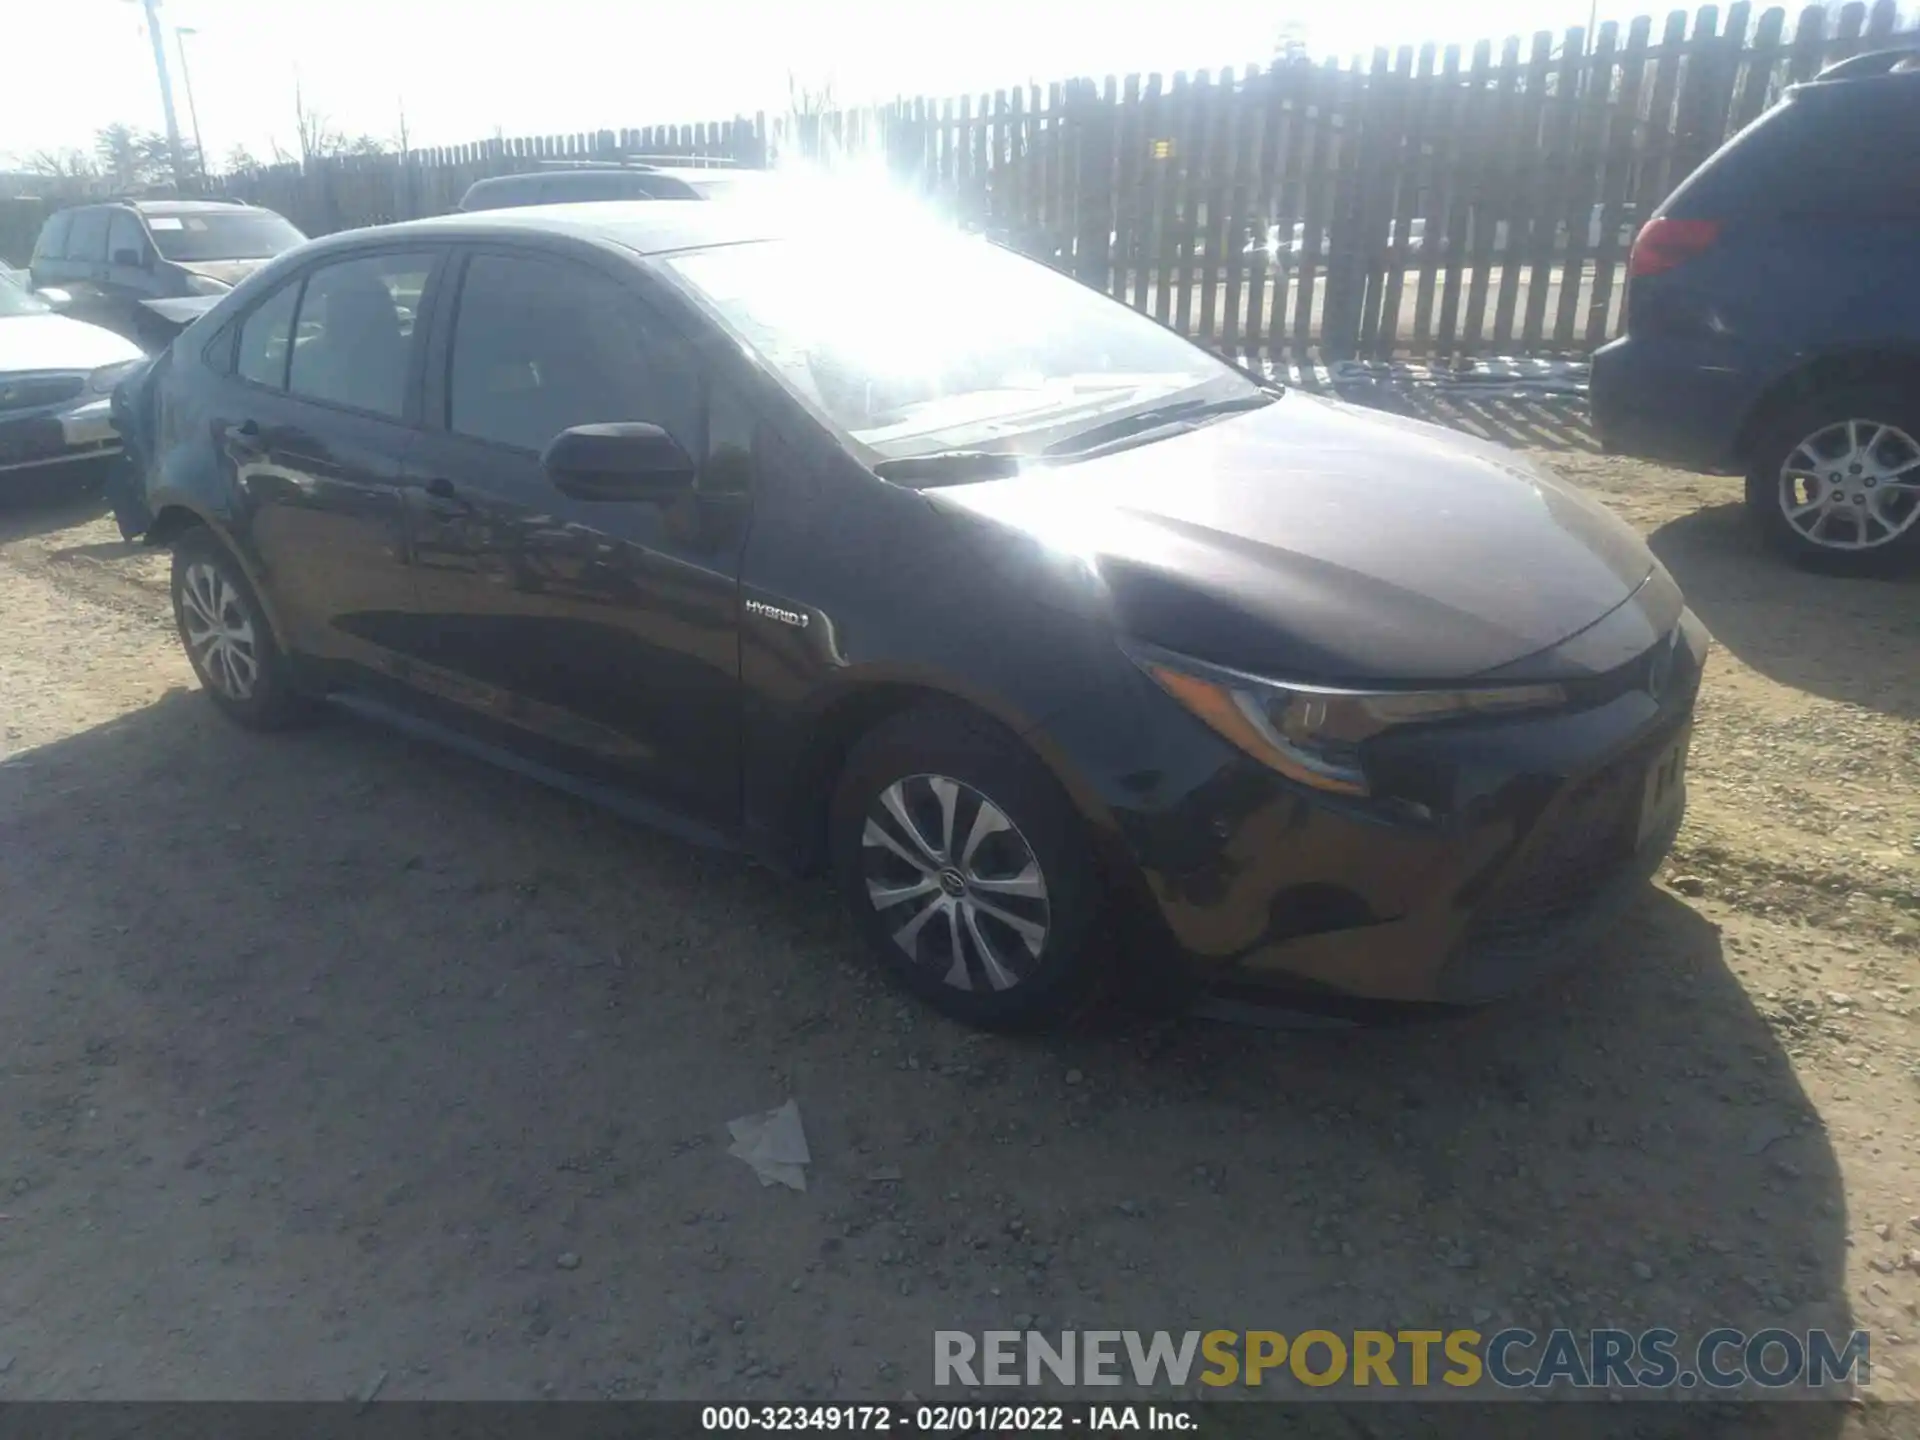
(774, 1145)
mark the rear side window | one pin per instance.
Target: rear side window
(266, 339)
(52, 244)
(354, 336)
(504, 195)
(583, 188)
(1834, 157)
(87, 240)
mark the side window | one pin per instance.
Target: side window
(52, 244)
(87, 240)
(354, 335)
(540, 346)
(266, 338)
(125, 234)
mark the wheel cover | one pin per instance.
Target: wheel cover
(955, 882)
(218, 631)
(1852, 485)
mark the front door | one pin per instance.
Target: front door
(599, 636)
(316, 423)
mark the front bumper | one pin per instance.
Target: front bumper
(41, 439)
(1271, 893)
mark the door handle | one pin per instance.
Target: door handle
(244, 439)
(445, 499)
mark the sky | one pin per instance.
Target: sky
(465, 71)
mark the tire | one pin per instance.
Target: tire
(1823, 453)
(227, 638)
(1026, 882)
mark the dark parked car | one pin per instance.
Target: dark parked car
(1773, 320)
(113, 259)
(579, 184)
(1042, 628)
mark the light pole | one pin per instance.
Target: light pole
(180, 33)
(152, 8)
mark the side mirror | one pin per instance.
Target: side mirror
(130, 259)
(628, 461)
(53, 297)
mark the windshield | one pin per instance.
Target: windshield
(241, 235)
(15, 299)
(914, 345)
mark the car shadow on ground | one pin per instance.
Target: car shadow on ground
(1856, 641)
(340, 1023)
(44, 505)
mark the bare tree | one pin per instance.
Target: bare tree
(809, 100)
(62, 165)
(240, 159)
(317, 135)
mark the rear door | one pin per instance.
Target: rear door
(315, 423)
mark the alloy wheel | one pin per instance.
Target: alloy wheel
(1852, 485)
(955, 882)
(218, 632)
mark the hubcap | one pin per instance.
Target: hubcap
(956, 882)
(1854, 485)
(218, 632)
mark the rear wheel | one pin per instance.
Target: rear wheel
(225, 633)
(1836, 481)
(966, 869)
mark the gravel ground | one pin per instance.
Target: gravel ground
(329, 1061)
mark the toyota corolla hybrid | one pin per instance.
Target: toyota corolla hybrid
(1039, 627)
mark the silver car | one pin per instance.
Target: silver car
(56, 375)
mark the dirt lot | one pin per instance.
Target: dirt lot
(333, 1062)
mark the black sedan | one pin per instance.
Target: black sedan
(1066, 647)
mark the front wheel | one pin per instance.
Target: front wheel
(967, 870)
(1835, 481)
(225, 633)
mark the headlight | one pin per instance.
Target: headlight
(1312, 733)
(206, 285)
(102, 381)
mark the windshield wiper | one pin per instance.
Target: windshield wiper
(1134, 428)
(948, 467)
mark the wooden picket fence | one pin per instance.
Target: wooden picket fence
(1431, 204)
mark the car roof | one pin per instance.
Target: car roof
(646, 227)
(693, 177)
(167, 207)
(193, 207)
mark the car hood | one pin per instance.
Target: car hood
(55, 342)
(1314, 540)
(227, 272)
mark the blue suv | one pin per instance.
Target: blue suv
(1773, 320)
